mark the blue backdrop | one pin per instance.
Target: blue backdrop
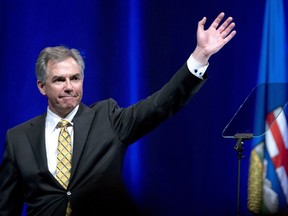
(131, 48)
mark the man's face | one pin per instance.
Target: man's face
(63, 86)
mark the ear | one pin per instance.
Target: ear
(41, 87)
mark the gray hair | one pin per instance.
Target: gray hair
(56, 54)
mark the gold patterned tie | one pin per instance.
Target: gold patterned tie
(64, 158)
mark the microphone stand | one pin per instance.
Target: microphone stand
(239, 149)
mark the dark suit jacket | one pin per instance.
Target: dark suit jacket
(102, 134)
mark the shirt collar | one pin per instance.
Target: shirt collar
(52, 119)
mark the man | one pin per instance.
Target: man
(86, 178)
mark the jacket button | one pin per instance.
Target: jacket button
(68, 193)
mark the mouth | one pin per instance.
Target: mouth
(67, 96)
(68, 99)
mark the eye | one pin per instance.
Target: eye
(59, 79)
(76, 77)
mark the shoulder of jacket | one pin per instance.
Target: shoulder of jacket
(31, 122)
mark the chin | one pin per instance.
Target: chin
(70, 107)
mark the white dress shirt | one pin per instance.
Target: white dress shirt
(51, 136)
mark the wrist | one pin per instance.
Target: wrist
(200, 56)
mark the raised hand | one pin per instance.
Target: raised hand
(214, 38)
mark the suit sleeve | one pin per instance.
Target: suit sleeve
(133, 122)
(11, 196)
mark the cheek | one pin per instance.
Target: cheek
(79, 90)
(52, 97)
(52, 93)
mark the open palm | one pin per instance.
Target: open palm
(214, 38)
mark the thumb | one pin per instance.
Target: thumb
(201, 23)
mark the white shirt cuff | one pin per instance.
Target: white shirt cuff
(196, 68)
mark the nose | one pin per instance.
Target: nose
(68, 86)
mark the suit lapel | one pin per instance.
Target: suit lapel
(81, 124)
(36, 137)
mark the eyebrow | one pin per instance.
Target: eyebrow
(78, 75)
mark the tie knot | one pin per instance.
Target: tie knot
(63, 123)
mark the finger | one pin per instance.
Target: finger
(229, 37)
(228, 30)
(225, 24)
(217, 20)
(201, 23)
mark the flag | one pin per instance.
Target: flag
(268, 169)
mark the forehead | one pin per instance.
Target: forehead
(66, 66)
